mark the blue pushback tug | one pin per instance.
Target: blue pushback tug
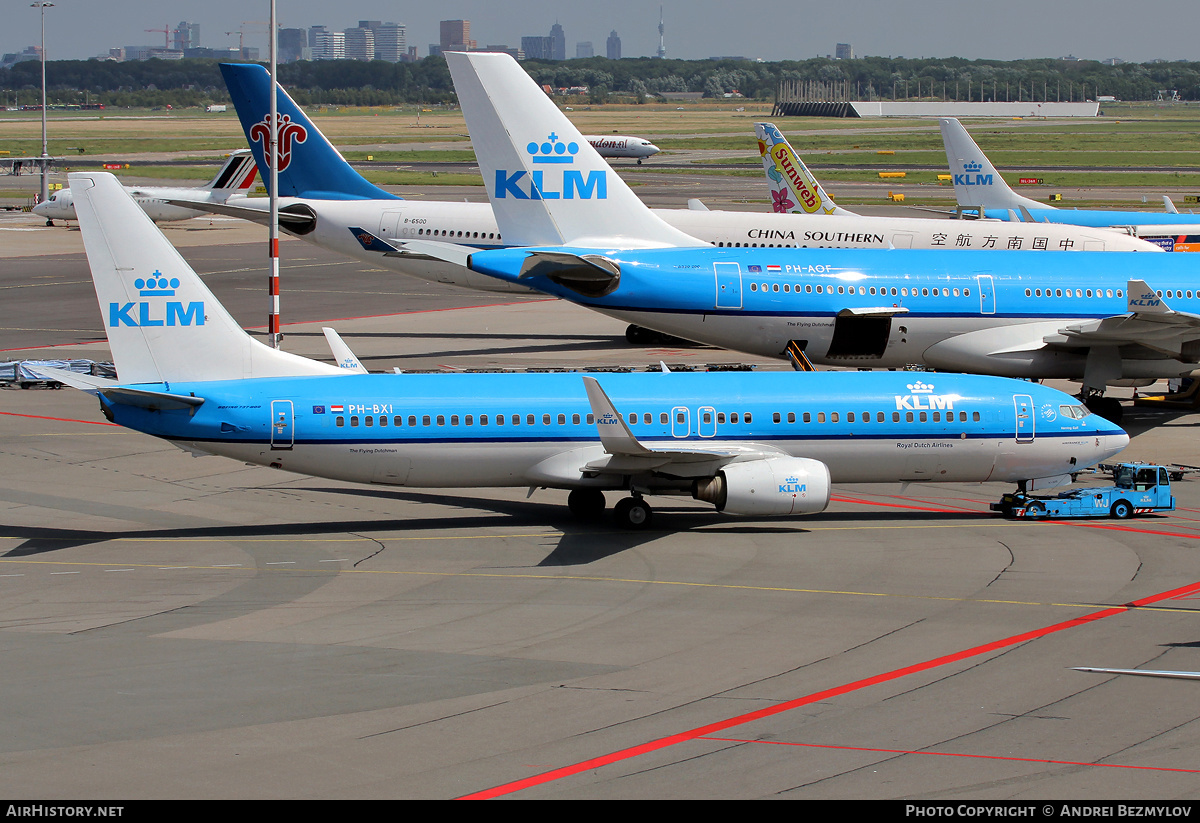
(1138, 488)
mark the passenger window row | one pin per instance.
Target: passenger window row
(1080, 293)
(471, 235)
(633, 418)
(882, 291)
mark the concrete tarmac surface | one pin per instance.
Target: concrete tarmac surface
(180, 627)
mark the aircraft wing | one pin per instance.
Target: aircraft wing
(298, 221)
(627, 455)
(1150, 322)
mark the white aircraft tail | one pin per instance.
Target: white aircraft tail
(236, 175)
(977, 184)
(163, 323)
(794, 189)
(548, 186)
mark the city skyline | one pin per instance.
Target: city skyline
(777, 29)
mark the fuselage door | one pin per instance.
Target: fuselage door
(902, 240)
(729, 285)
(1024, 409)
(389, 225)
(282, 428)
(987, 294)
(681, 421)
(706, 421)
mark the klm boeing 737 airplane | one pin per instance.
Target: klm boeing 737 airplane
(978, 187)
(758, 444)
(1099, 318)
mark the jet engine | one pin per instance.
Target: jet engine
(774, 486)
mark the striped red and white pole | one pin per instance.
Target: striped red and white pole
(273, 291)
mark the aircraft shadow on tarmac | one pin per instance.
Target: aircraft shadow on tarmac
(580, 543)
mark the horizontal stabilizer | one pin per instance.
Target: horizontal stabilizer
(152, 400)
(449, 252)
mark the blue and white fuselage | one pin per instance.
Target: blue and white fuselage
(990, 312)
(474, 430)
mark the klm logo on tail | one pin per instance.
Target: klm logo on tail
(972, 177)
(552, 184)
(157, 313)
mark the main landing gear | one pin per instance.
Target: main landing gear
(630, 513)
(639, 336)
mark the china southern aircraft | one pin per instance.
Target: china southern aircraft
(326, 202)
(1059, 314)
(165, 204)
(794, 190)
(759, 444)
(620, 146)
(978, 187)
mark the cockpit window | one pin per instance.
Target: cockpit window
(1074, 412)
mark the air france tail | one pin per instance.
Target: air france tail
(548, 186)
(163, 323)
(309, 165)
(977, 184)
(794, 190)
(237, 175)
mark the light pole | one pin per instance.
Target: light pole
(45, 158)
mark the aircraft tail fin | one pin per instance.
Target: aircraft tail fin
(547, 184)
(237, 175)
(794, 189)
(309, 165)
(977, 184)
(162, 322)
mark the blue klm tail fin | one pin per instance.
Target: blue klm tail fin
(309, 165)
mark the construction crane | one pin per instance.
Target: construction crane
(166, 33)
(241, 33)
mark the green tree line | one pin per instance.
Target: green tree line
(197, 82)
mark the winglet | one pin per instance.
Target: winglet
(794, 189)
(341, 352)
(1144, 300)
(615, 436)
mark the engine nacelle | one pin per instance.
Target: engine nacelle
(773, 486)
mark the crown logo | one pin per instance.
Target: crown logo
(972, 167)
(792, 480)
(553, 150)
(920, 388)
(156, 286)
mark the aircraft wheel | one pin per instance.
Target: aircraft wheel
(633, 513)
(1035, 511)
(1122, 510)
(586, 504)
(1107, 407)
(636, 335)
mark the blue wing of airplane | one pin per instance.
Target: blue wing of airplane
(309, 165)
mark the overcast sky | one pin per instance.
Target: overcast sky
(695, 29)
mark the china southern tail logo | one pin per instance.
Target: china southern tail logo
(158, 312)
(555, 182)
(972, 177)
(289, 133)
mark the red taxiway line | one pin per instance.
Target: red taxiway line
(825, 694)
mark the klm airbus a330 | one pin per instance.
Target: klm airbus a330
(1102, 318)
(760, 444)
